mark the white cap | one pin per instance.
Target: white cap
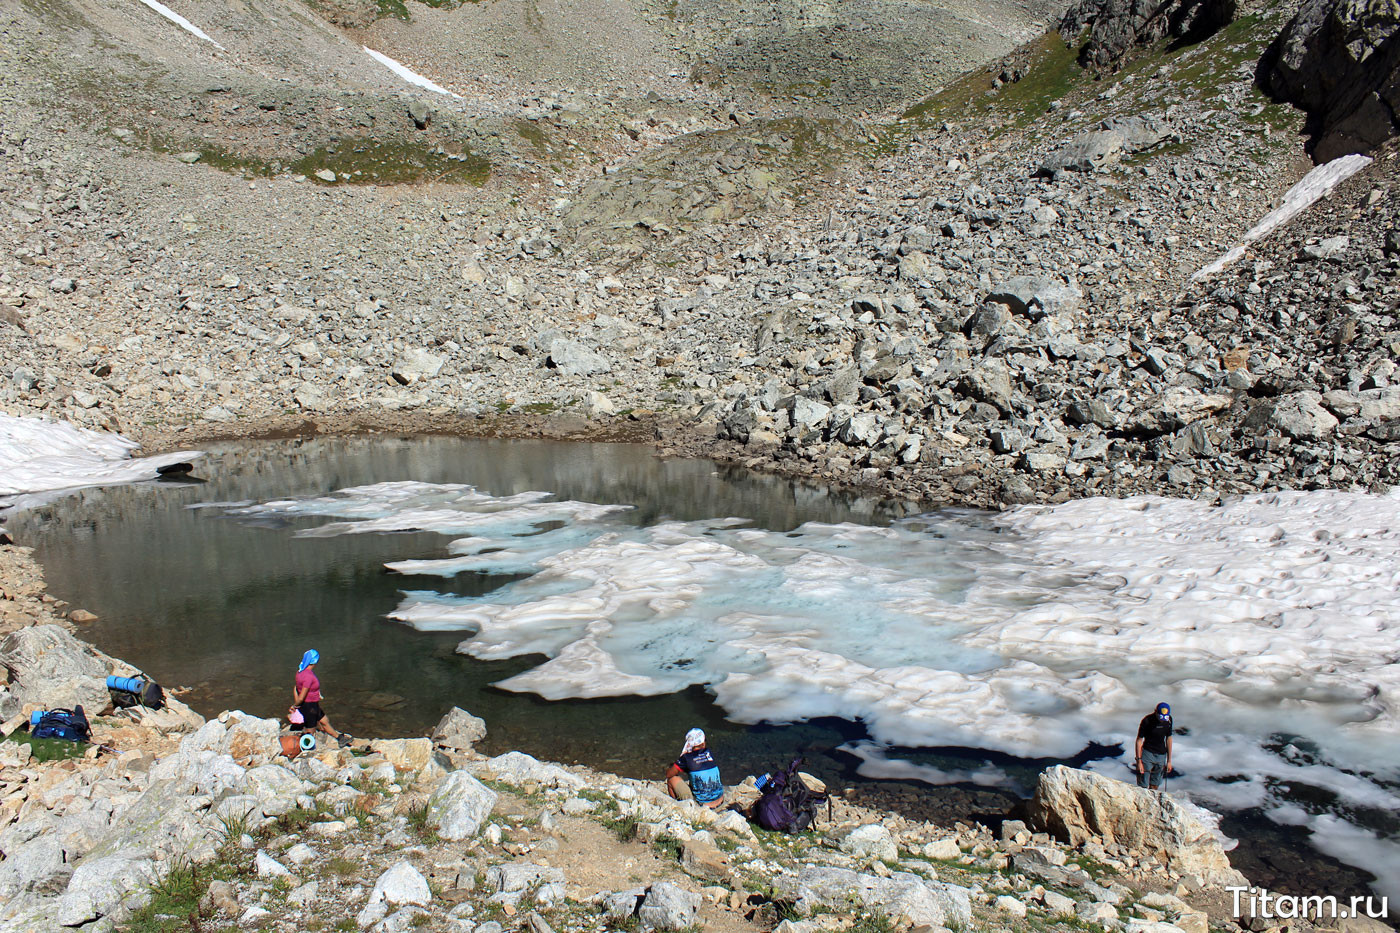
(693, 740)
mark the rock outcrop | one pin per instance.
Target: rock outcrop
(51, 669)
(1081, 806)
(1117, 26)
(1340, 61)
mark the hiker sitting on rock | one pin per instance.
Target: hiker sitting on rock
(696, 766)
(306, 699)
(1153, 749)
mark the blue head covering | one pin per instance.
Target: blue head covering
(308, 659)
(1164, 711)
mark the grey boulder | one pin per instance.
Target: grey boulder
(902, 896)
(572, 358)
(668, 906)
(51, 669)
(460, 806)
(459, 730)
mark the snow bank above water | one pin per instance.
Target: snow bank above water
(38, 455)
(1269, 622)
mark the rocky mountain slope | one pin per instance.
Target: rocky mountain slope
(972, 300)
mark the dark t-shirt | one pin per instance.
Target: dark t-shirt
(700, 767)
(1154, 733)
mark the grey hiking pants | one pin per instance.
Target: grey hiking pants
(1154, 770)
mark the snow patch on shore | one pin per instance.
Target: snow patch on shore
(39, 456)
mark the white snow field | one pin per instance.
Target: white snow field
(180, 21)
(408, 74)
(1269, 622)
(1311, 188)
(38, 456)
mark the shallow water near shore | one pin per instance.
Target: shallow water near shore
(630, 578)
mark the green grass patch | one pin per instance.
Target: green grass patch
(418, 823)
(667, 846)
(343, 867)
(174, 906)
(174, 901)
(398, 9)
(48, 749)
(873, 923)
(1052, 72)
(623, 827)
(531, 133)
(1239, 43)
(373, 161)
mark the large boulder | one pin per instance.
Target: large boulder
(572, 358)
(871, 841)
(105, 887)
(902, 896)
(49, 668)
(1117, 26)
(402, 884)
(404, 754)
(668, 906)
(1174, 409)
(1299, 415)
(1081, 806)
(460, 806)
(519, 768)
(459, 730)
(1107, 143)
(1339, 60)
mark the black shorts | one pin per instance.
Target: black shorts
(312, 713)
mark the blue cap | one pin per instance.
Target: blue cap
(308, 659)
(1164, 711)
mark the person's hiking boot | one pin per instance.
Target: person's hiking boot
(344, 739)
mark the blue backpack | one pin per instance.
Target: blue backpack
(71, 725)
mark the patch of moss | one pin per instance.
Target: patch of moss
(1216, 59)
(1052, 72)
(532, 134)
(48, 749)
(373, 161)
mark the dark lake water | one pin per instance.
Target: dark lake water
(223, 607)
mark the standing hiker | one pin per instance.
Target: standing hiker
(697, 766)
(306, 699)
(1153, 749)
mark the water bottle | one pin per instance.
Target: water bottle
(763, 779)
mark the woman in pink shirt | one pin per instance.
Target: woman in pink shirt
(306, 697)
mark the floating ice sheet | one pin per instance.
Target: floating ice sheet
(40, 456)
(1269, 622)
